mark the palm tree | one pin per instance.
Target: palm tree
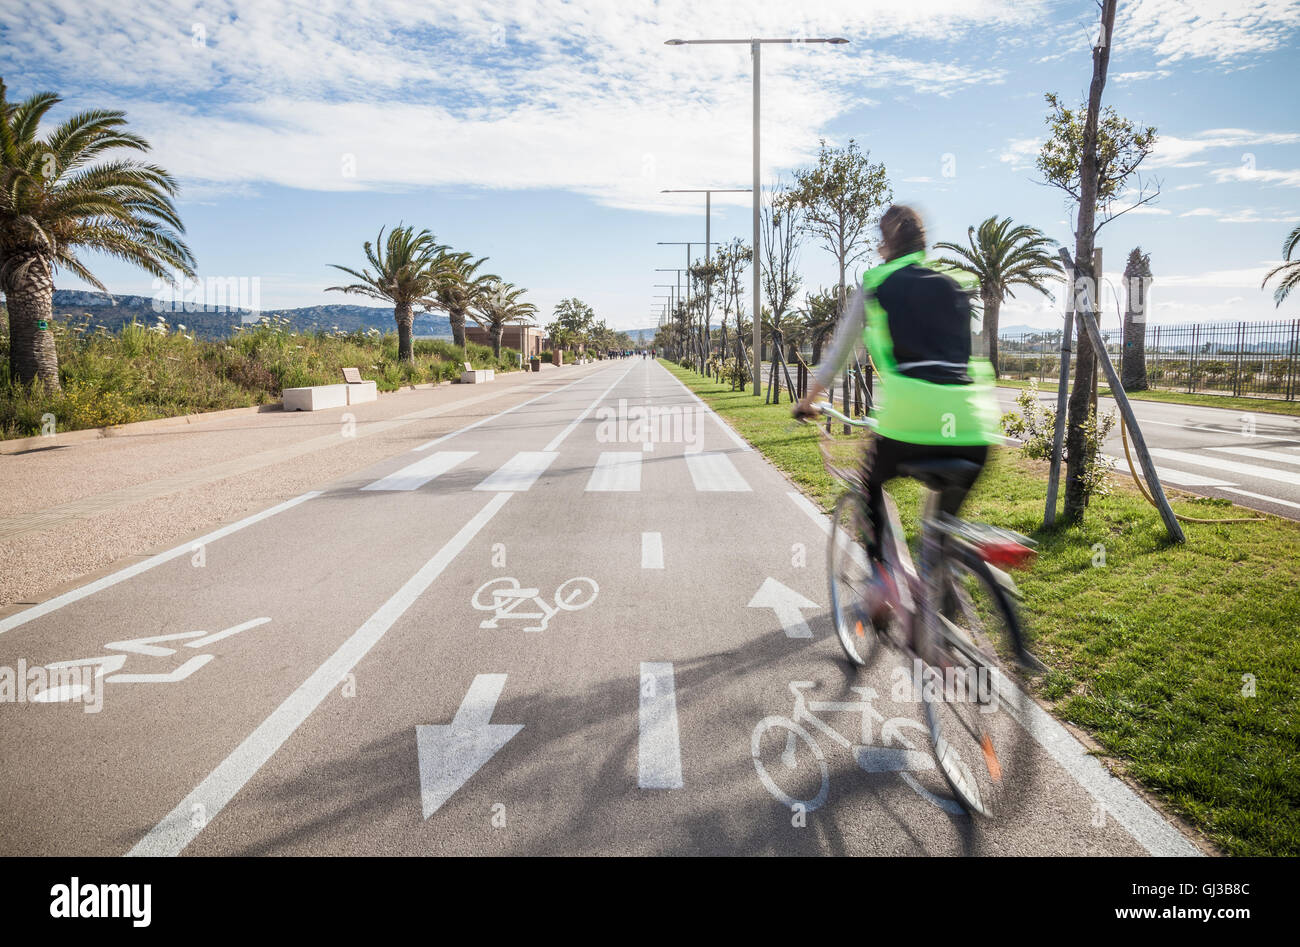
(54, 201)
(1000, 256)
(820, 315)
(1290, 271)
(461, 290)
(407, 272)
(499, 307)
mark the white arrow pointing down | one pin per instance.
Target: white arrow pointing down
(451, 753)
(786, 602)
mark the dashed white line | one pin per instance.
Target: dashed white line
(652, 550)
(659, 756)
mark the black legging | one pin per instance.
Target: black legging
(880, 463)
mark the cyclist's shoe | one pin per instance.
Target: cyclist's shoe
(880, 597)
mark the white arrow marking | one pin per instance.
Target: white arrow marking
(786, 602)
(451, 753)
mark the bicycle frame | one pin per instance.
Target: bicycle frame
(805, 711)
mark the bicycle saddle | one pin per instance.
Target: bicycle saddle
(939, 472)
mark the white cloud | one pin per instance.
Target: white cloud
(1248, 215)
(1272, 176)
(1140, 75)
(1173, 151)
(1217, 30)
(580, 95)
(1020, 153)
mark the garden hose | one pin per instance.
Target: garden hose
(1123, 433)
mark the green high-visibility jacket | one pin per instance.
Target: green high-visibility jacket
(917, 411)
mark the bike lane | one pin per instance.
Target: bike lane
(463, 739)
(244, 617)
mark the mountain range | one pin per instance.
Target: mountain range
(115, 311)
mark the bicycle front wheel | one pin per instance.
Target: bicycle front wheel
(849, 569)
(982, 751)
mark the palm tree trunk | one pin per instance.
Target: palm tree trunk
(30, 301)
(457, 320)
(497, 333)
(405, 317)
(992, 305)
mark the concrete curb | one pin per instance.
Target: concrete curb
(19, 444)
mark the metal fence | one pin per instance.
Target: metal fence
(1245, 359)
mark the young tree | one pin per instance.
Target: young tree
(820, 315)
(55, 201)
(841, 198)
(407, 272)
(572, 324)
(1091, 155)
(1000, 256)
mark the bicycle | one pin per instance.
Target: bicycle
(955, 614)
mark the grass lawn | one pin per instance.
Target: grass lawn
(1253, 405)
(1150, 652)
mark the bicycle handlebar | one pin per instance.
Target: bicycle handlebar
(828, 409)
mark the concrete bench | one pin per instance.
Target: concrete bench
(359, 391)
(474, 376)
(315, 398)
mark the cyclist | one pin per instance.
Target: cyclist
(932, 398)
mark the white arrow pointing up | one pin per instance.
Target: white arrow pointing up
(451, 753)
(786, 602)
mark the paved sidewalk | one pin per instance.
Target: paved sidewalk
(75, 506)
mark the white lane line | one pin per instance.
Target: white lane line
(559, 438)
(1228, 466)
(659, 751)
(1260, 496)
(413, 476)
(1257, 454)
(1178, 477)
(36, 611)
(715, 473)
(1147, 827)
(177, 829)
(519, 472)
(469, 427)
(726, 428)
(616, 470)
(652, 550)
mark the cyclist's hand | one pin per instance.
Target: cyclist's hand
(804, 411)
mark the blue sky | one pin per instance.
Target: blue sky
(540, 134)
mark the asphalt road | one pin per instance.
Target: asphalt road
(353, 672)
(1249, 458)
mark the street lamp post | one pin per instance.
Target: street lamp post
(755, 46)
(688, 244)
(708, 193)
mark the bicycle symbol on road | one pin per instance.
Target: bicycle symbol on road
(898, 754)
(504, 597)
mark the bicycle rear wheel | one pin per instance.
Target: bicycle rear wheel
(982, 751)
(849, 568)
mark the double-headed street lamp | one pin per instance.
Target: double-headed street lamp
(755, 45)
(688, 244)
(708, 193)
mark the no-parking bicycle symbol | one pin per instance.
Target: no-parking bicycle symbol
(506, 599)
